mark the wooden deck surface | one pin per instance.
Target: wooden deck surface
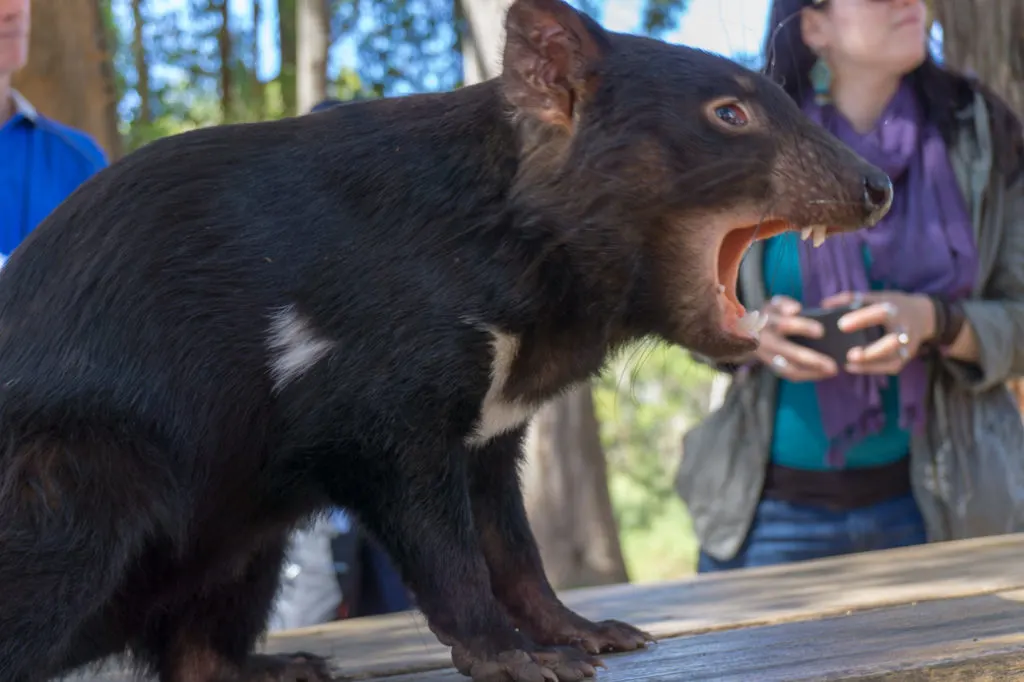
(952, 611)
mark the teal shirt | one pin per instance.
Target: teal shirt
(799, 441)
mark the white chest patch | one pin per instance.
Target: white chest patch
(294, 346)
(498, 415)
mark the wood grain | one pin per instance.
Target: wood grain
(732, 606)
(402, 642)
(973, 638)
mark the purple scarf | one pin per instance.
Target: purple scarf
(925, 244)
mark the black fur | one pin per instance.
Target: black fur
(150, 470)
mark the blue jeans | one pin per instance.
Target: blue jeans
(383, 589)
(783, 532)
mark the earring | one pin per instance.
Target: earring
(821, 81)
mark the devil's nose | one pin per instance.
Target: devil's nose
(877, 195)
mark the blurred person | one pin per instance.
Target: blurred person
(309, 592)
(914, 436)
(43, 160)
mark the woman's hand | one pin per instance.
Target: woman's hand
(908, 318)
(787, 359)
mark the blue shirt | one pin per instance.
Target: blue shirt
(43, 162)
(799, 440)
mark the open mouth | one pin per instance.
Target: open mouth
(732, 246)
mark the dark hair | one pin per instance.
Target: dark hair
(331, 102)
(327, 103)
(942, 92)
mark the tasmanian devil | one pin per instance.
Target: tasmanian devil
(232, 329)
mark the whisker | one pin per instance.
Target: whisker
(831, 202)
(649, 346)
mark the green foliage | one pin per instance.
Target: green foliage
(286, 45)
(401, 46)
(645, 402)
(659, 16)
(664, 550)
(408, 45)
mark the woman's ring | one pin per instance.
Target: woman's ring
(780, 362)
(903, 339)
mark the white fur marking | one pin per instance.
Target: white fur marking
(293, 345)
(497, 414)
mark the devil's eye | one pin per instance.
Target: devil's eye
(732, 114)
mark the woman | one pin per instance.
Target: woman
(912, 437)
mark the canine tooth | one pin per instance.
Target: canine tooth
(805, 233)
(820, 232)
(760, 321)
(753, 322)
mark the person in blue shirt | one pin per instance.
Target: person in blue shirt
(43, 160)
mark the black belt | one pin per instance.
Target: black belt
(841, 489)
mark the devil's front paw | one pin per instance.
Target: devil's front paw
(518, 665)
(607, 636)
(610, 636)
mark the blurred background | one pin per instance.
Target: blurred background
(602, 461)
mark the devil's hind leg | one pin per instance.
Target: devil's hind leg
(210, 636)
(76, 510)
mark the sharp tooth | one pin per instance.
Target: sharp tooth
(820, 232)
(752, 323)
(805, 233)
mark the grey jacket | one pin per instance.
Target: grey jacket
(967, 469)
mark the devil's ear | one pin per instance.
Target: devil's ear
(550, 51)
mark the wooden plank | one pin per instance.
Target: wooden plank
(402, 642)
(972, 638)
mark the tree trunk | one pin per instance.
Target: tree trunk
(258, 89)
(312, 29)
(566, 488)
(987, 37)
(225, 48)
(70, 76)
(483, 39)
(141, 64)
(286, 18)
